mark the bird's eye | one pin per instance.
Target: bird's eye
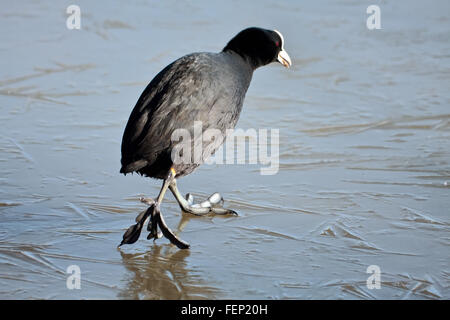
(277, 43)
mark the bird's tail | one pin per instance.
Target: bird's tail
(133, 166)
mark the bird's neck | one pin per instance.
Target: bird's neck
(243, 59)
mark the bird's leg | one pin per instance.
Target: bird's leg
(156, 219)
(212, 205)
(153, 222)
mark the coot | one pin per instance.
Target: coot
(206, 88)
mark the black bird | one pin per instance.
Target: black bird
(206, 88)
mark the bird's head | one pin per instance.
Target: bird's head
(260, 47)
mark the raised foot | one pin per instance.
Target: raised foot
(214, 204)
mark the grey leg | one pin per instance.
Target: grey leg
(212, 205)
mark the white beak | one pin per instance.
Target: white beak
(284, 58)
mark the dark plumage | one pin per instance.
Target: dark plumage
(199, 87)
(206, 87)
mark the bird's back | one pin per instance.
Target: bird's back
(206, 87)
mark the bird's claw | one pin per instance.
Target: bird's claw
(148, 201)
(133, 232)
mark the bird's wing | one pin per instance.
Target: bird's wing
(187, 90)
